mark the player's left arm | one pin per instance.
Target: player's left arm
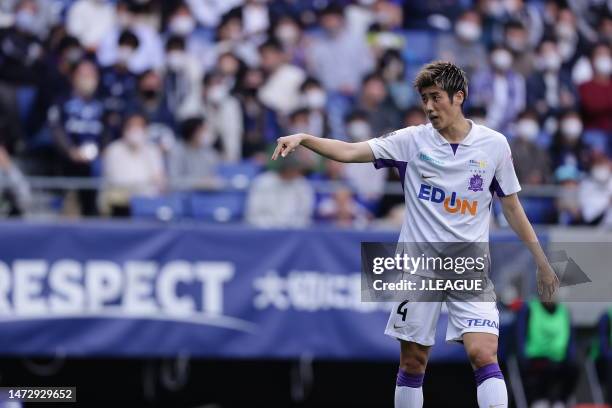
(518, 221)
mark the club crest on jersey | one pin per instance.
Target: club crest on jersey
(476, 183)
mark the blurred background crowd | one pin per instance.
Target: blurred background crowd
(169, 109)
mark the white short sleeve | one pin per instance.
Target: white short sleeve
(505, 181)
(392, 148)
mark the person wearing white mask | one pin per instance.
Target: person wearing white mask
(568, 147)
(314, 98)
(531, 162)
(550, 89)
(465, 46)
(500, 89)
(288, 32)
(224, 116)
(595, 191)
(132, 166)
(596, 94)
(182, 80)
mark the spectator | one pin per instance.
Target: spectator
(150, 52)
(288, 32)
(342, 210)
(91, 21)
(281, 199)
(255, 17)
(196, 42)
(132, 167)
(531, 162)
(21, 64)
(231, 68)
(230, 37)
(339, 58)
(393, 70)
(193, 159)
(209, 12)
(314, 98)
(550, 89)
(15, 197)
(182, 80)
(546, 350)
(516, 39)
(596, 94)
(358, 130)
(384, 34)
(280, 91)
(374, 100)
(78, 129)
(152, 102)
(464, 46)
(118, 83)
(260, 123)
(570, 42)
(500, 89)
(595, 192)
(223, 112)
(414, 116)
(567, 202)
(567, 146)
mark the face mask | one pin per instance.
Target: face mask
(566, 49)
(315, 99)
(136, 137)
(149, 94)
(86, 85)
(359, 130)
(566, 31)
(501, 59)
(495, 8)
(287, 34)
(527, 129)
(601, 173)
(550, 62)
(25, 21)
(468, 31)
(603, 65)
(175, 60)
(182, 25)
(124, 54)
(571, 128)
(516, 44)
(217, 93)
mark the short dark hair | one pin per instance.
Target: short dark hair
(189, 127)
(128, 38)
(445, 75)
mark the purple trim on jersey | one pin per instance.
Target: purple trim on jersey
(495, 187)
(454, 146)
(405, 379)
(489, 371)
(399, 165)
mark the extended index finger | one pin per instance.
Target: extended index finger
(277, 150)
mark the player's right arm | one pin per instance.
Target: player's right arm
(338, 150)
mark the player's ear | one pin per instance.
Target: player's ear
(458, 98)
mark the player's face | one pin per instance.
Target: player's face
(438, 107)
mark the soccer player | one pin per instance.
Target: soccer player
(443, 154)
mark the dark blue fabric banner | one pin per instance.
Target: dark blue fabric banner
(139, 290)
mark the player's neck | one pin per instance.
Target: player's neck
(457, 131)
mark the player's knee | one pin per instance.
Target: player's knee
(483, 355)
(413, 358)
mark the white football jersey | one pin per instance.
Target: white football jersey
(448, 192)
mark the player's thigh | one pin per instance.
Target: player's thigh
(414, 321)
(472, 316)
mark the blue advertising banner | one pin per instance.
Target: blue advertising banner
(144, 290)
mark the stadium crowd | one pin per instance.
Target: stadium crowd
(153, 97)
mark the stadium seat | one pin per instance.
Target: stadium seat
(539, 210)
(25, 100)
(217, 206)
(160, 208)
(420, 47)
(238, 175)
